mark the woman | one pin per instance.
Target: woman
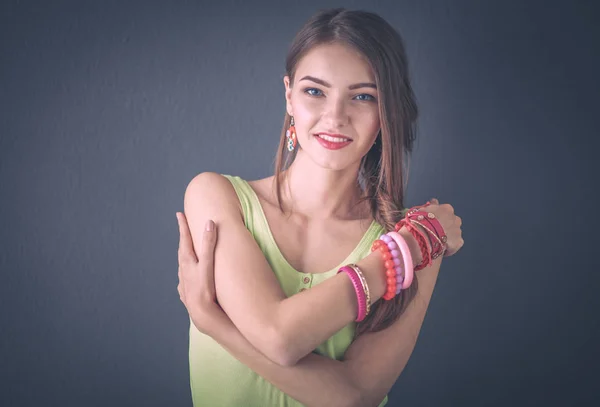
(273, 322)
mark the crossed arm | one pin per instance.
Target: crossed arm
(275, 335)
(371, 365)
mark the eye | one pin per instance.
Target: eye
(367, 97)
(313, 92)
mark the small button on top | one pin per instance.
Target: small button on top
(306, 280)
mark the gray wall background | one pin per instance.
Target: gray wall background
(108, 110)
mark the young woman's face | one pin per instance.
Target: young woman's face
(334, 92)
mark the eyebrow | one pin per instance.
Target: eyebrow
(327, 85)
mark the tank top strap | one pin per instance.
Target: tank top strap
(252, 211)
(245, 198)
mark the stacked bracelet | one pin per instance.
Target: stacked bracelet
(365, 287)
(398, 276)
(421, 239)
(359, 288)
(434, 229)
(434, 233)
(390, 253)
(406, 257)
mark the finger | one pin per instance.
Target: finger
(186, 251)
(209, 241)
(434, 201)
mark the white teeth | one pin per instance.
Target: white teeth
(333, 139)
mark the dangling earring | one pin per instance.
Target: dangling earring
(290, 134)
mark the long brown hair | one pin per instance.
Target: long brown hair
(382, 170)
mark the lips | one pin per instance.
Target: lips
(333, 137)
(332, 142)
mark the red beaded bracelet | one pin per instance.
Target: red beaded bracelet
(390, 268)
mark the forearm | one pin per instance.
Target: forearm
(327, 379)
(302, 329)
(376, 360)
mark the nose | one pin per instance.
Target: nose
(335, 113)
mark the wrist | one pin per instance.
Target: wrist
(374, 269)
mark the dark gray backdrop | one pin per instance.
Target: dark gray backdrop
(108, 109)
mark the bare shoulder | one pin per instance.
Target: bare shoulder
(212, 194)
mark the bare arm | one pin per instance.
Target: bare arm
(283, 329)
(328, 379)
(376, 360)
(372, 363)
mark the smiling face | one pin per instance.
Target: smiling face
(334, 103)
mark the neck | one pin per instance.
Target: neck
(315, 192)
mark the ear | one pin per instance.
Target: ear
(288, 95)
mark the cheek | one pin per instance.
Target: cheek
(368, 119)
(306, 113)
(374, 122)
(306, 107)
(370, 126)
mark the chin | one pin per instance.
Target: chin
(341, 163)
(335, 160)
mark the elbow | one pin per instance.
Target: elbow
(283, 342)
(362, 400)
(285, 360)
(356, 397)
(353, 397)
(270, 339)
(277, 348)
(359, 396)
(283, 353)
(277, 353)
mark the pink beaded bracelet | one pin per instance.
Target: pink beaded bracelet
(395, 252)
(406, 256)
(358, 288)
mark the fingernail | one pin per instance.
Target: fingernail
(210, 226)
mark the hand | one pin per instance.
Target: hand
(450, 223)
(197, 277)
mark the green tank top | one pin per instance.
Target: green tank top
(218, 379)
